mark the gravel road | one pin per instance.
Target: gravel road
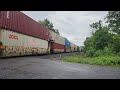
(46, 67)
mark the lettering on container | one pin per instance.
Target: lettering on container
(13, 37)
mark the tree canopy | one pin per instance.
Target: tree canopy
(113, 18)
(102, 40)
(49, 25)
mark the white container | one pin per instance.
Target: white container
(18, 44)
(72, 47)
(57, 38)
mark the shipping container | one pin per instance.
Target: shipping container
(19, 22)
(75, 47)
(67, 49)
(57, 48)
(72, 47)
(57, 38)
(17, 44)
(67, 43)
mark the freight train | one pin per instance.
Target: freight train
(21, 35)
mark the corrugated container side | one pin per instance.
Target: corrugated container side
(17, 44)
(72, 47)
(22, 40)
(57, 48)
(19, 22)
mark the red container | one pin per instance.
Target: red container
(19, 22)
(58, 46)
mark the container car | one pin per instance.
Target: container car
(57, 48)
(58, 43)
(57, 38)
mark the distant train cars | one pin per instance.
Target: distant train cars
(20, 35)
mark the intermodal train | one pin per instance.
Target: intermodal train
(21, 35)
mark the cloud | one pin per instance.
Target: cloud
(73, 25)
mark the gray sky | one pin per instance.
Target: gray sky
(73, 25)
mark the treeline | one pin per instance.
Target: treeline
(49, 25)
(105, 39)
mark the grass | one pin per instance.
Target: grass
(113, 61)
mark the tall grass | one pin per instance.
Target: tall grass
(100, 60)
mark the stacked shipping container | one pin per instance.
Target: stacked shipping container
(21, 23)
(67, 46)
(72, 47)
(59, 42)
(21, 35)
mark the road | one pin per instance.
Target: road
(45, 67)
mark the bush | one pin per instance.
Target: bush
(100, 60)
(118, 54)
(98, 53)
(90, 52)
(107, 51)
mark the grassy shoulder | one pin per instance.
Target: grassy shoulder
(113, 61)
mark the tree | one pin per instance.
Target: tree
(116, 43)
(49, 25)
(100, 39)
(113, 18)
(57, 31)
(96, 26)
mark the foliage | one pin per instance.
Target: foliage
(103, 42)
(49, 25)
(113, 18)
(101, 60)
(116, 43)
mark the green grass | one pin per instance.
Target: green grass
(113, 61)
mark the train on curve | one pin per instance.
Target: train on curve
(21, 35)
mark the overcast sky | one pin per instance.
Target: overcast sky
(74, 25)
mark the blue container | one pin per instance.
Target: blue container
(67, 43)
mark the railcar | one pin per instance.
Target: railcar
(57, 43)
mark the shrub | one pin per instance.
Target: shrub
(118, 54)
(107, 51)
(98, 53)
(90, 52)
